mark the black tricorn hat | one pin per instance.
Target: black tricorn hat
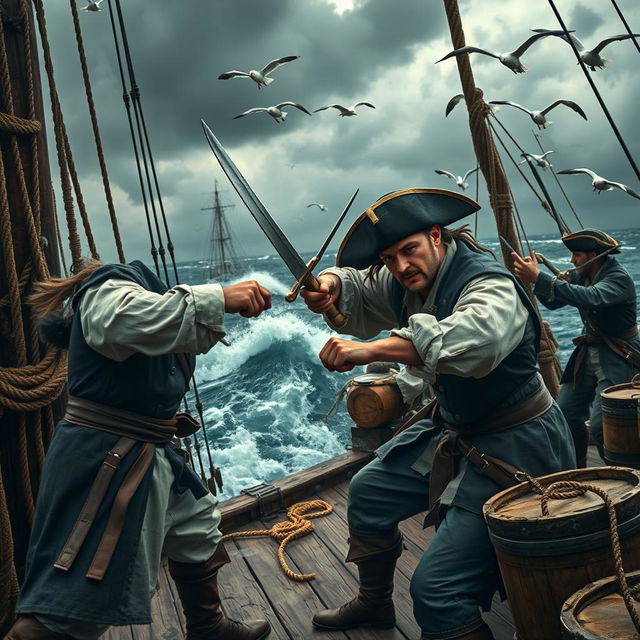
(588, 240)
(397, 215)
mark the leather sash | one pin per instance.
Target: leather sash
(132, 428)
(618, 344)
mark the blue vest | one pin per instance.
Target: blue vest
(152, 386)
(464, 401)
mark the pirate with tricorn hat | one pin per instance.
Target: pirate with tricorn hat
(608, 350)
(462, 323)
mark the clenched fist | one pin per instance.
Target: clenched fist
(248, 298)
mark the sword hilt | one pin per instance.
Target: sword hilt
(295, 289)
(333, 313)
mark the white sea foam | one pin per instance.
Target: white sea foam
(256, 336)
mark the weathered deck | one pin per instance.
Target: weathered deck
(253, 584)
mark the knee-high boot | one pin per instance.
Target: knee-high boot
(375, 557)
(28, 628)
(197, 586)
(581, 437)
(480, 633)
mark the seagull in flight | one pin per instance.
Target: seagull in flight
(261, 78)
(591, 57)
(511, 59)
(94, 5)
(539, 116)
(459, 180)
(601, 184)
(346, 111)
(322, 207)
(274, 111)
(540, 160)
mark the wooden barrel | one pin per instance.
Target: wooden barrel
(545, 559)
(620, 424)
(374, 399)
(598, 612)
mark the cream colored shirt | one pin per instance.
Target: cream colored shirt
(486, 325)
(120, 318)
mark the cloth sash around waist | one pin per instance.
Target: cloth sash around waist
(132, 428)
(451, 445)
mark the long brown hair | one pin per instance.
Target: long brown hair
(49, 296)
(462, 233)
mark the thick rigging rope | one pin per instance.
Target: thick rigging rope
(497, 184)
(617, 133)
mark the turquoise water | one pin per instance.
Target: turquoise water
(265, 395)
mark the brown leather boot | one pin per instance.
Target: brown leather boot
(581, 437)
(376, 558)
(481, 633)
(28, 628)
(197, 585)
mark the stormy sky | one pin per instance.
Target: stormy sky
(381, 51)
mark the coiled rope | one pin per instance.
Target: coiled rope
(298, 524)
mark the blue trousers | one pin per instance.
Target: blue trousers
(458, 572)
(580, 400)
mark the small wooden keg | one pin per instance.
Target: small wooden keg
(374, 399)
(545, 559)
(598, 612)
(620, 424)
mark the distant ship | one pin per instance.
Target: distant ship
(222, 259)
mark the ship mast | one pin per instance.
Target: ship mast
(222, 260)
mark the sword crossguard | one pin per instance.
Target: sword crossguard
(301, 282)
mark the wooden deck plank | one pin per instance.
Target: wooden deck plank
(294, 602)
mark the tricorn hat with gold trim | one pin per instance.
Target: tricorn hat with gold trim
(588, 240)
(397, 215)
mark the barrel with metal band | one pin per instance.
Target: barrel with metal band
(598, 611)
(374, 399)
(621, 423)
(545, 559)
(132, 428)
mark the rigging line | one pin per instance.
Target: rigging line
(137, 115)
(547, 204)
(595, 91)
(564, 193)
(135, 93)
(626, 24)
(127, 104)
(475, 231)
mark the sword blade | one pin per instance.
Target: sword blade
(336, 225)
(268, 225)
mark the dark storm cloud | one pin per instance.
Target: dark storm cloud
(381, 51)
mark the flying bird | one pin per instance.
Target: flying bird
(322, 207)
(601, 184)
(261, 78)
(540, 160)
(510, 59)
(274, 111)
(94, 5)
(591, 57)
(460, 180)
(345, 111)
(539, 116)
(452, 103)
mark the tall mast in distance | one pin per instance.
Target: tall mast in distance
(222, 259)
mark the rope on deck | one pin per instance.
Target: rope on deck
(297, 525)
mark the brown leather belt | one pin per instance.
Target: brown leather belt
(618, 344)
(451, 446)
(132, 428)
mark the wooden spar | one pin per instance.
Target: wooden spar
(497, 183)
(17, 20)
